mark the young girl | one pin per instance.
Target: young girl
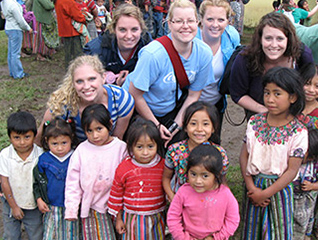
(137, 197)
(200, 122)
(309, 74)
(91, 172)
(305, 190)
(58, 140)
(274, 147)
(203, 208)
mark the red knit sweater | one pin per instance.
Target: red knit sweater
(137, 188)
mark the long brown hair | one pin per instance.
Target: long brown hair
(254, 52)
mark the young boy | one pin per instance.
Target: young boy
(16, 167)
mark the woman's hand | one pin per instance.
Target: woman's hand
(121, 77)
(165, 134)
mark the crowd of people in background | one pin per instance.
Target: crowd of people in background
(130, 144)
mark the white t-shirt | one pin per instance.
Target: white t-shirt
(211, 93)
(20, 174)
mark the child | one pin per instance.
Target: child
(203, 208)
(200, 121)
(59, 140)
(16, 165)
(305, 190)
(80, 27)
(137, 197)
(103, 15)
(309, 74)
(91, 172)
(272, 152)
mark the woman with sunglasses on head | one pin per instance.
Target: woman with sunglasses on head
(153, 82)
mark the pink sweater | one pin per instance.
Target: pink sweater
(195, 215)
(90, 175)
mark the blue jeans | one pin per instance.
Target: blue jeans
(15, 38)
(32, 222)
(157, 24)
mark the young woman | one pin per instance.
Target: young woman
(118, 47)
(222, 38)
(274, 43)
(153, 82)
(83, 85)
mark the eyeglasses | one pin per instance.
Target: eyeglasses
(189, 22)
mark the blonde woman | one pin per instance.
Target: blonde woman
(153, 82)
(222, 38)
(83, 86)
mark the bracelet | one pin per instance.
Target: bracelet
(158, 126)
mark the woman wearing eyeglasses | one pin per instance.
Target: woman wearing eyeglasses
(153, 82)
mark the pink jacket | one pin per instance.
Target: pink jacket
(90, 175)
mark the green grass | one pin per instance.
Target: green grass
(4, 49)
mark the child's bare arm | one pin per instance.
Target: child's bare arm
(254, 193)
(17, 212)
(287, 177)
(166, 178)
(120, 225)
(243, 164)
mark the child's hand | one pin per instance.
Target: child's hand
(257, 197)
(120, 226)
(17, 213)
(170, 197)
(306, 186)
(43, 207)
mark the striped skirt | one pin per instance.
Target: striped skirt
(272, 222)
(98, 226)
(39, 45)
(56, 227)
(143, 227)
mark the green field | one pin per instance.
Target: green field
(255, 9)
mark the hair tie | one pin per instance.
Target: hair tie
(68, 120)
(47, 123)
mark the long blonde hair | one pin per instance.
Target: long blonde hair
(65, 98)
